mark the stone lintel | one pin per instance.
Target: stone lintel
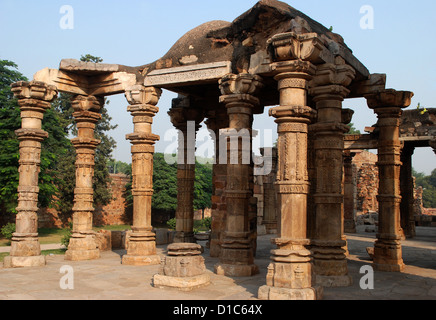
(374, 83)
(103, 84)
(208, 72)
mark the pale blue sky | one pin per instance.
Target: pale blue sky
(134, 32)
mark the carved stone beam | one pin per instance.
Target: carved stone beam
(103, 84)
(375, 83)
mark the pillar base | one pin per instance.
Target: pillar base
(82, 247)
(234, 270)
(388, 256)
(23, 262)
(141, 250)
(82, 255)
(275, 293)
(130, 260)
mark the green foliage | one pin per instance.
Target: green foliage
(203, 187)
(67, 235)
(164, 184)
(9, 145)
(8, 230)
(172, 223)
(199, 225)
(57, 176)
(353, 130)
(428, 183)
(119, 167)
(422, 111)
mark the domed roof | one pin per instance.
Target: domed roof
(236, 41)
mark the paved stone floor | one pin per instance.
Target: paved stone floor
(107, 279)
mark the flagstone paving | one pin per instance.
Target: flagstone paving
(108, 279)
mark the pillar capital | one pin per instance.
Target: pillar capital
(330, 82)
(138, 94)
(240, 84)
(288, 113)
(183, 111)
(388, 101)
(34, 90)
(331, 74)
(290, 46)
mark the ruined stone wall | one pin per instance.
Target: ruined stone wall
(112, 214)
(115, 212)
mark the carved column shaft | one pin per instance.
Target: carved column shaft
(270, 193)
(407, 186)
(34, 99)
(350, 190)
(387, 249)
(329, 90)
(291, 267)
(142, 245)
(82, 245)
(237, 256)
(219, 120)
(187, 120)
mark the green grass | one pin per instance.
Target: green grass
(43, 252)
(54, 235)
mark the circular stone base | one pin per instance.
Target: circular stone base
(141, 260)
(82, 255)
(22, 262)
(274, 293)
(181, 283)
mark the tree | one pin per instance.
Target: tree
(10, 121)
(202, 187)
(428, 184)
(353, 130)
(165, 186)
(52, 147)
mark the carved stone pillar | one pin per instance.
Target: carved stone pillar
(270, 206)
(407, 186)
(142, 242)
(217, 121)
(34, 99)
(387, 105)
(236, 256)
(83, 245)
(290, 275)
(180, 114)
(328, 91)
(183, 268)
(350, 190)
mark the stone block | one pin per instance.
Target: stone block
(274, 293)
(22, 262)
(181, 283)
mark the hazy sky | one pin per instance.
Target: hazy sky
(134, 32)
